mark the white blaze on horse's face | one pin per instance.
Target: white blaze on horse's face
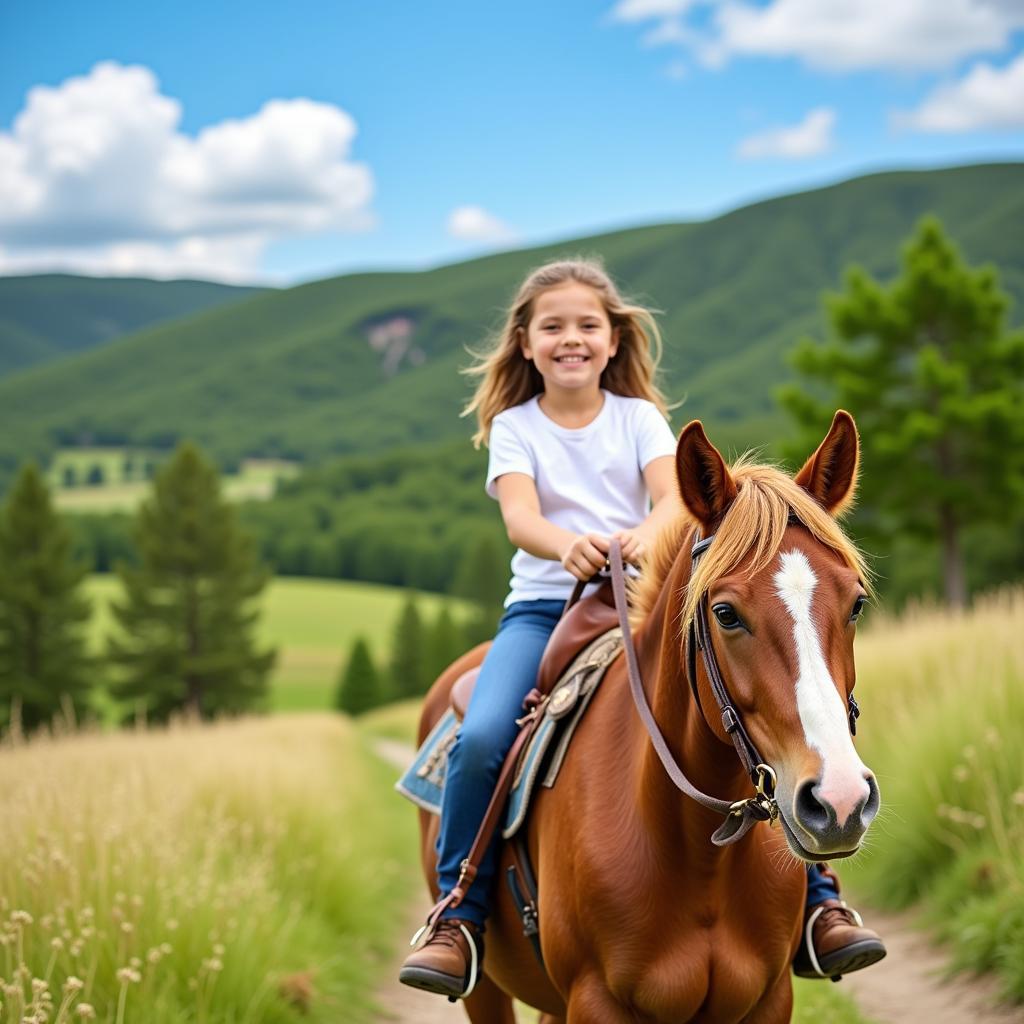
(843, 785)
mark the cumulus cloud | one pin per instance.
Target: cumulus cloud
(642, 10)
(96, 176)
(811, 137)
(986, 97)
(842, 35)
(475, 224)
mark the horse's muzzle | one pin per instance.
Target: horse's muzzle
(820, 825)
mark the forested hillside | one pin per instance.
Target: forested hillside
(47, 316)
(367, 362)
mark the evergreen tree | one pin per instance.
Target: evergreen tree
(408, 669)
(936, 385)
(482, 578)
(445, 643)
(359, 684)
(187, 613)
(43, 659)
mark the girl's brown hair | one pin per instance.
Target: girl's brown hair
(508, 378)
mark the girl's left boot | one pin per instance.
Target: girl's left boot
(449, 962)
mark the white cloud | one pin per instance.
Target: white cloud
(986, 97)
(811, 137)
(95, 176)
(837, 35)
(474, 223)
(642, 10)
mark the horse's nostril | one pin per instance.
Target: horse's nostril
(872, 803)
(810, 811)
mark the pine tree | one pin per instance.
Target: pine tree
(186, 617)
(444, 644)
(43, 612)
(482, 579)
(359, 684)
(408, 670)
(936, 384)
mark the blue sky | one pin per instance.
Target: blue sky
(432, 132)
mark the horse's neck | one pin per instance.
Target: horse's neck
(710, 764)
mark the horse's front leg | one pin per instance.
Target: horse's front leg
(777, 1005)
(591, 1003)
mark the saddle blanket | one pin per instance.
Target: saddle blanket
(423, 782)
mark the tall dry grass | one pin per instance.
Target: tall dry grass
(245, 871)
(942, 694)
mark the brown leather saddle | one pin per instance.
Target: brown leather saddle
(582, 622)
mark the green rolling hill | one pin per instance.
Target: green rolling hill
(366, 362)
(46, 316)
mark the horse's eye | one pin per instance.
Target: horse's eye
(726, 615)
(858, 607)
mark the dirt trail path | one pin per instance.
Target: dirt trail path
(404, 1005)
(907, 987)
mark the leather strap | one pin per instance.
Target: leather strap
(532, 704)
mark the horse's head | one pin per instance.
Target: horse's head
(783, 588)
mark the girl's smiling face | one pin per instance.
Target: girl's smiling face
(569, 337)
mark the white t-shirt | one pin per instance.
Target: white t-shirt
(589, 480)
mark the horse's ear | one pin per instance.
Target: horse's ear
(830, 474)
(705, 483)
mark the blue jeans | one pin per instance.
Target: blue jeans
(507, 675)
(474, 763)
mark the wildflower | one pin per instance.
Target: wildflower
(56, 943)
(135, 962)
(73, 984)
(166, 948)
(21, 917)
(218, 950)
(85, 1011)
(213, 965)
(1018, 798)
(126, 975)
(127, 927)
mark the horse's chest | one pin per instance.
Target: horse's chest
(714, 975)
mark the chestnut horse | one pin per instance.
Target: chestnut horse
(641, 917)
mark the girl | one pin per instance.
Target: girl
(579, 444)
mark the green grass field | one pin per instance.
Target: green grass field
(312, 623)
(256, 479)
(942, 725)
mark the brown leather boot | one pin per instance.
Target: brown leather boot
(449, 962)
(835, 943)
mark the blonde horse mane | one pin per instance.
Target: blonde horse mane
(752, 527)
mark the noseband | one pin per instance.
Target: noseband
(740, 815)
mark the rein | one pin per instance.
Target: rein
(740, 815)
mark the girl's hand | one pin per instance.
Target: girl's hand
(586, 555)
(634, 544)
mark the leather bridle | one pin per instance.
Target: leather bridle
(740, 815)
